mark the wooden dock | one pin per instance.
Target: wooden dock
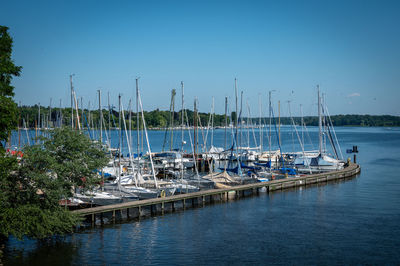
(140, 208)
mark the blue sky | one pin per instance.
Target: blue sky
(349, 48)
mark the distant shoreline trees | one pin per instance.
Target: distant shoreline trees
(161, 119)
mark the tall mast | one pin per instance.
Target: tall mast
(82, 112)
(137, 124)
(240, 124)
(120, 140)
(270, 121)
(226, 118)
(259, 120)
(323, 118)
(194, 128)
(101, 117)
(212, 123)
(130, 122)
(319, 122)
(60, 115)
(76, 110)
(183, 119)
(279, 123)
(236, 122)
(109, 118)
(72, 101)
(302, 123)
(173, 92)
(49, 113)
(39, 117)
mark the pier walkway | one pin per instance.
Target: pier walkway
(137, 209)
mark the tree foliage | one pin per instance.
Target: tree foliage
(48, 172)
(8, 109)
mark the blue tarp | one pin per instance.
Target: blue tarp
(289, 171)
(268, 164)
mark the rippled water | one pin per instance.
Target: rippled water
(356, 221)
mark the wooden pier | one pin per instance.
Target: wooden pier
(141, 208)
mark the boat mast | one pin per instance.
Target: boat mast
(226, 118)
(270, 122)
(50, 118)
(182, 125)
(302, 123)
(109, 118)
(60, 115)
(279, 123)
(240, 115)
(183, 119)
(236, 122)
(319, 123)
(82, 113)
(259, 120)
(72, 101)
(76, 110)
(101, 116)
(39, 117)
(195, 129)
(137, 126)
(120, 141)
(130, 123)
(324, 122)
(172, 119)
(212, 123)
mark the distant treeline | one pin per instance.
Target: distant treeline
(29, 117)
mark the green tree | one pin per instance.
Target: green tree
(47, 173)
(8, 109)
(8, 115)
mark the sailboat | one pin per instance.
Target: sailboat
(308, 162)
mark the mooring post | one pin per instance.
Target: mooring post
(113, 216)
(93, 219)
(127, 213)
(101, 219)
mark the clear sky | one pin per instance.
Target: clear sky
(349, 48)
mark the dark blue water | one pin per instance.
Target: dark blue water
(356, 221)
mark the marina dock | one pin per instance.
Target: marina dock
(155, 206)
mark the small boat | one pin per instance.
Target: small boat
(99, 198)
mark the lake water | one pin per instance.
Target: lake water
(356, 221)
